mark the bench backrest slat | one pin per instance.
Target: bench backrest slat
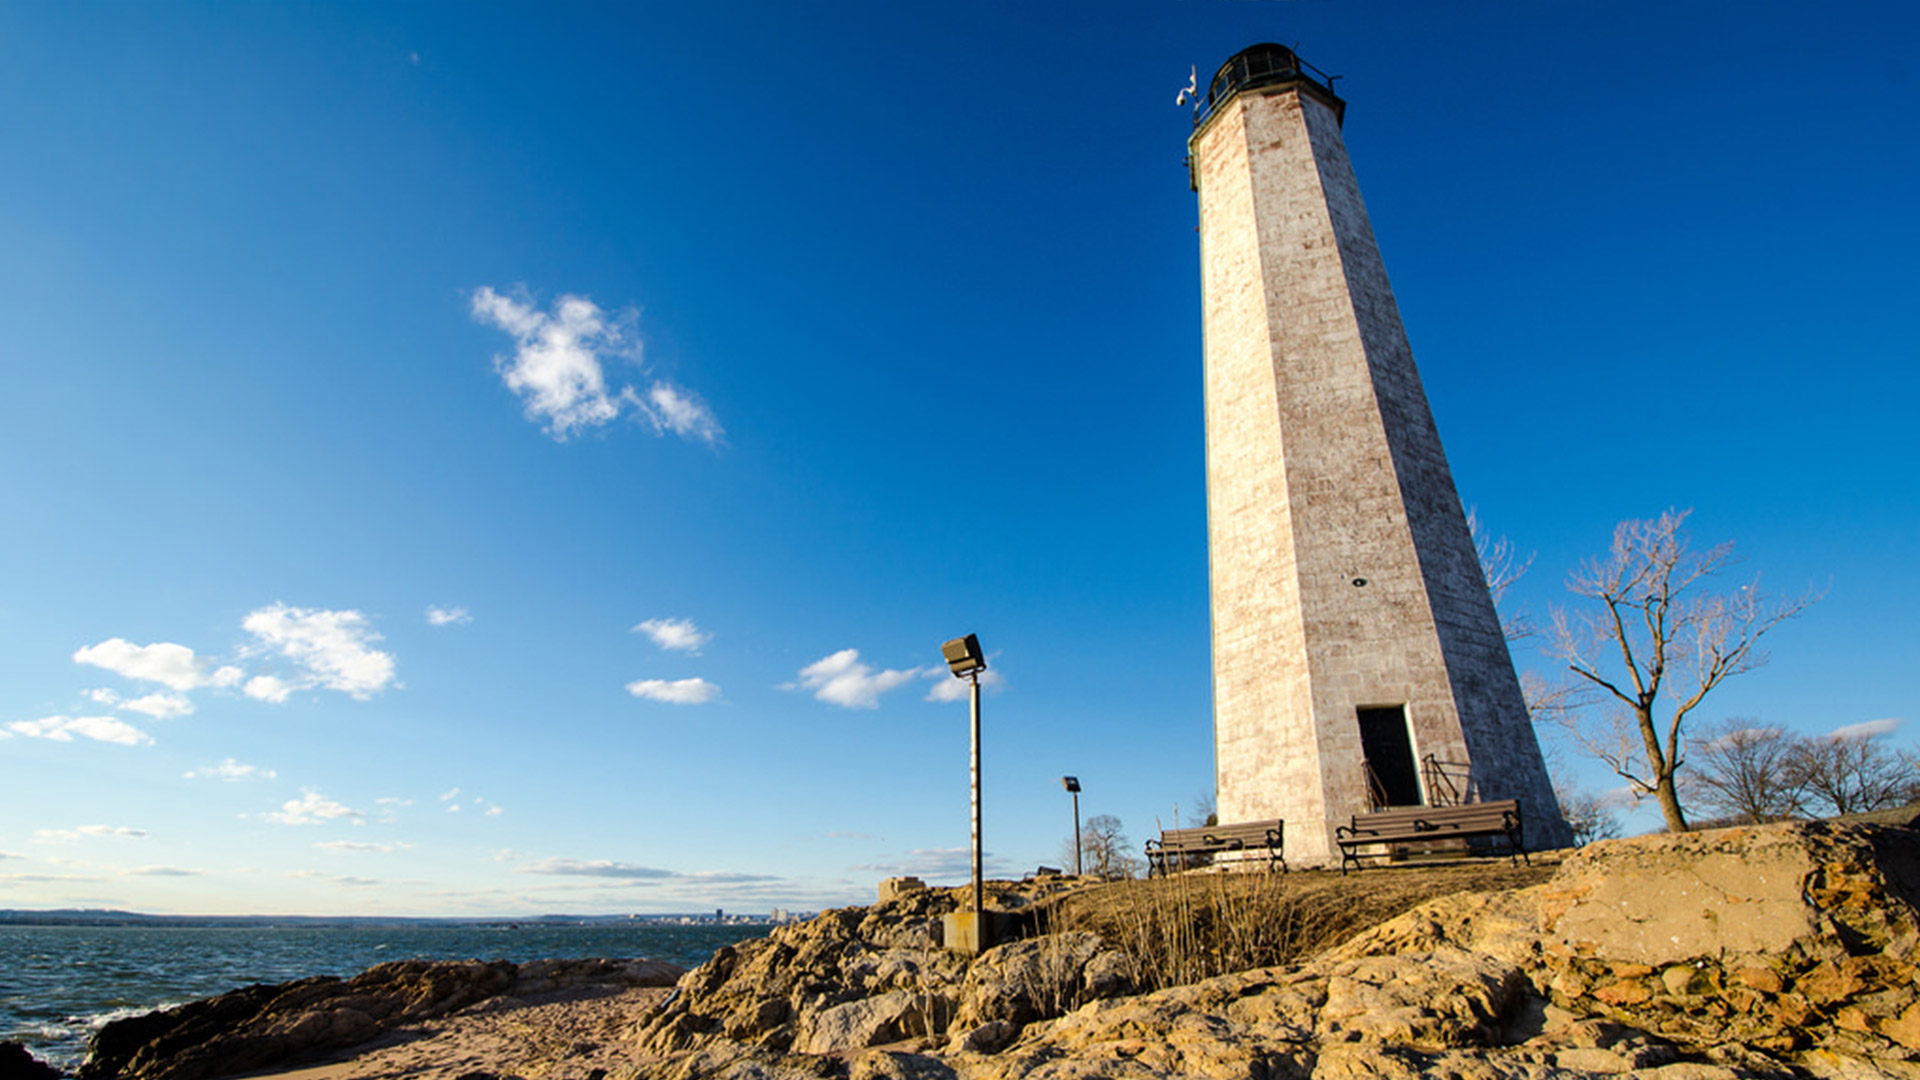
(1246, 833)
(1464, 817)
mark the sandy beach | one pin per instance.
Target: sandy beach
(567, 1035)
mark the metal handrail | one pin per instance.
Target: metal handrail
(1260, 65)
(1439, 777)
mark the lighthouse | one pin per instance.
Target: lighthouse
(1357, 659)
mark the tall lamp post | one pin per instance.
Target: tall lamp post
(966, 662)
(1072, 784)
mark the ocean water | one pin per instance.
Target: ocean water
(59, 984)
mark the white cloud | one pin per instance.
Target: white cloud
(674, 692)
(267, 688)
(61, 835)
(231, 771)
(321, 875)
(595, 868)
(948, 688)
(449, 795)
(679, 635)
(160, 706)
(555, 367)
(344, 847)
(163, 871)
(558, 369)
(110, 830)
(936, 863)
(453, 616)
(312, 808)
(172, 666)
(1866, 729)
(681, 412)
(102, 696)
(841, 679)
(99, 728)
(494, 811)
(333, 647)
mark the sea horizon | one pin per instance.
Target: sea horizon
(63, 981)
(126, 917)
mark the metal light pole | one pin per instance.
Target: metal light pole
(1072, 784)
(973, 779)
(965, 660)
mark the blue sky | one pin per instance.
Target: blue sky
(331, 580)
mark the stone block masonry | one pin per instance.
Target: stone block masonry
(1343, 575)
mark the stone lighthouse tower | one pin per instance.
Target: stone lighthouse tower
(1357, 659)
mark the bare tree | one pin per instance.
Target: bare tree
(1657, 641)
(1587, 814)
(1745, 773)
(1851, 773)
(1104, 848)
(1502, 568)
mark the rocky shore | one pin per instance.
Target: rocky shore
(1773, 951)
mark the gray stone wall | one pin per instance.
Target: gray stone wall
(1324, 469)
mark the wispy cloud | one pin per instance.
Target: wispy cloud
(674, 692)
(842, 679)
(313, 808)
(679, 411)
(679, 635)
(76, 833)
(947, 688)
(451, 616)
(337, 879)
(620, 871)
(1866, 729)
(334, 650)
(98, 728)
(170, 665)
(231, 771)
(599, 868)
(160, 706)
(935, 863)
(162, 871)
(558, 368)
(347, 847)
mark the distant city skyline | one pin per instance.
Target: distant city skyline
(488, 461)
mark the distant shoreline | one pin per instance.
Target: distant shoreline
(93, 917)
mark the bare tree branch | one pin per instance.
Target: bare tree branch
(1502, 567)
(1658, 635)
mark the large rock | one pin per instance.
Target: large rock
(262, 1026)
(1778, 951)
(17, 1064)
(1786, 937)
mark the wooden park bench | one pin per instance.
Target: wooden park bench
(1175, 846)
(1425, 824)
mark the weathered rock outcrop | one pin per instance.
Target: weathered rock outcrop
(260, 1026)
(1777, 951)
(861, 977)
(17, 1064)
(1774, 951)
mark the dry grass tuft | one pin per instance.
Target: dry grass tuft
(1194, 926)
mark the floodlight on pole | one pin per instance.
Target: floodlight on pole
(1072, 784)
(966, 661)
